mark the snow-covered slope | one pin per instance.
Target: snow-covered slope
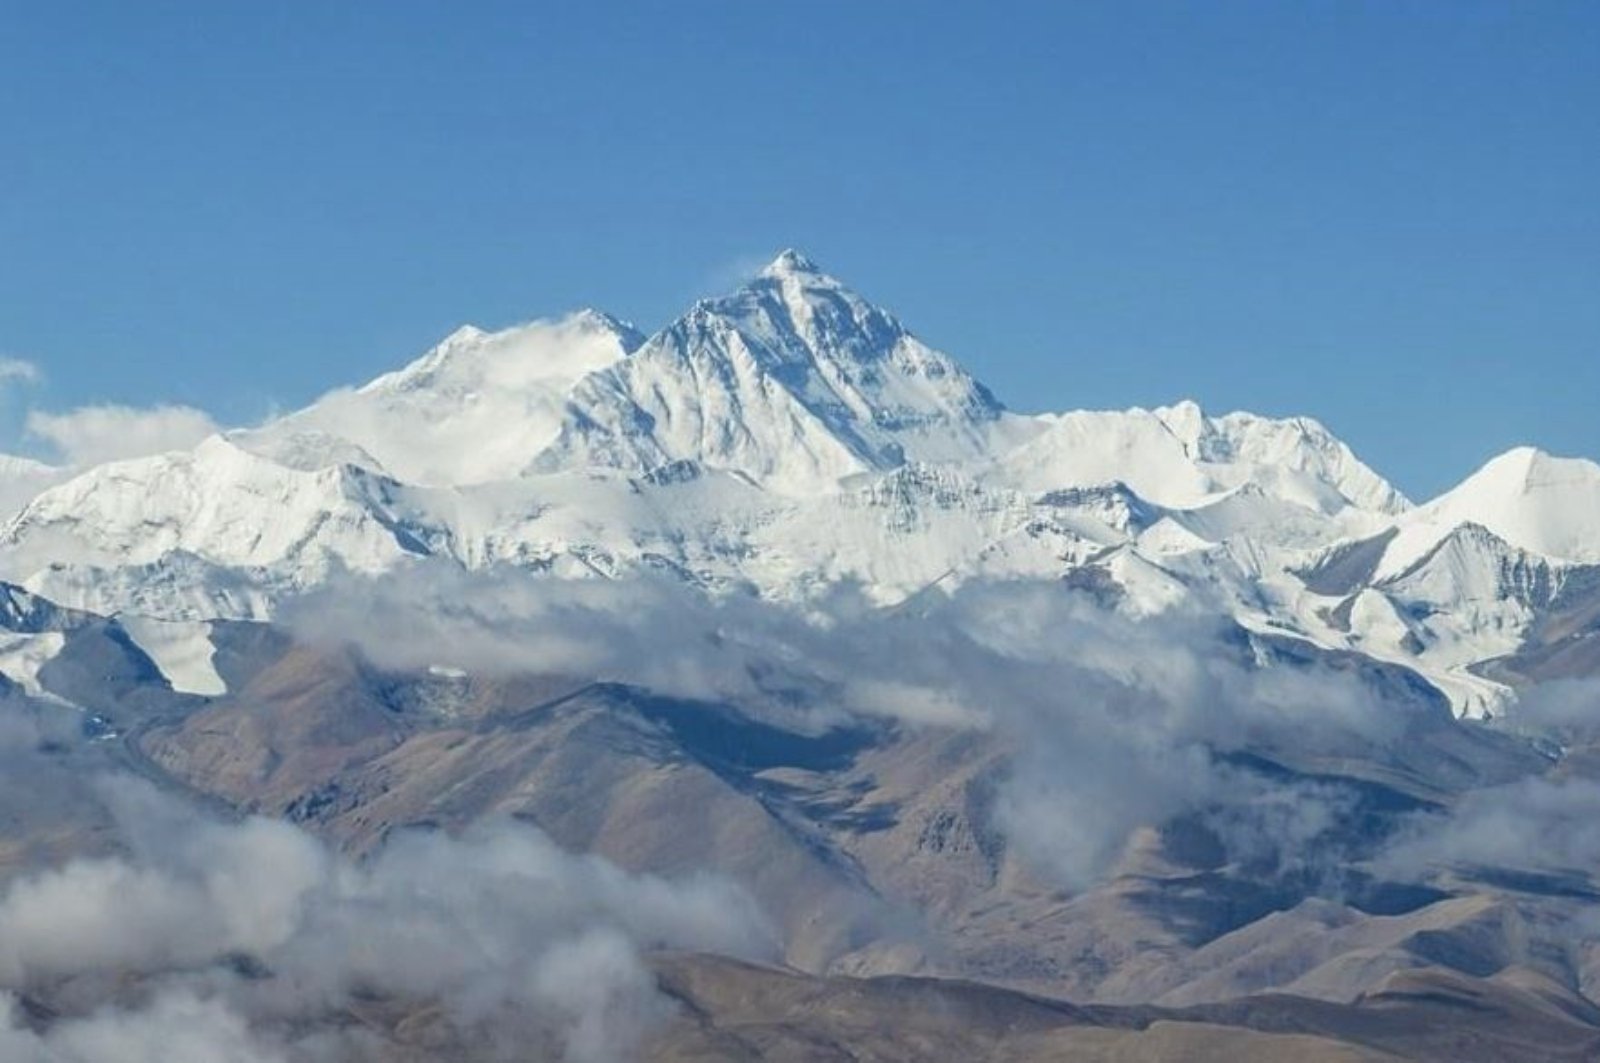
(476, 408)
(33, 631)
(182, 650)
(1295, 458)
(783, 440)
(793, 381)
(1177, 456)
(1471, 598)
(1547, 505)
(22, 479)
(1091, 447)
(194, 533)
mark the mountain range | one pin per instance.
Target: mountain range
(792, 437)
(765, 688)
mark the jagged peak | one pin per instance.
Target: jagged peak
(1297, 442)
(1190, 421)
(590, 317)
(462, 336)
(1183, 409)
(1469, 533)
(792, 313)
(793, 378)
(1474, 561)
(791, 263)
(796, 281)
(1536, 502)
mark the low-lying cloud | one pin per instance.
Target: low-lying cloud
(1563, 709)
(238, 936)
(174, 1027)
(1536, 823)
(252, 939)
(1116, 722)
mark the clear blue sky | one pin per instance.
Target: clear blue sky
(1386, 214)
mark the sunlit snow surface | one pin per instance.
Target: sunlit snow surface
(780, 441)
(182, 649)
(22, 655)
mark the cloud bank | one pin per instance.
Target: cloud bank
(235, 934)
(252, 940)
(1116, 723)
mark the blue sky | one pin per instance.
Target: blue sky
(1381, 213)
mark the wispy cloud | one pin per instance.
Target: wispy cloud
(90, 435)
(500, 927)
(18, 371)
(1547, 824)
(735, 271)
(1117, 723)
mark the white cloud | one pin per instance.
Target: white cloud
(18, 370)
(175, 1028)
(90, 435)
(500, 926)
(1116, 723)
(1543, 823)
(736, 271)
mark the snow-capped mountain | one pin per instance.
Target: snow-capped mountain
(471, 410)
(1297, 458)
(1469, 577)
(792, 436)
(1471, 598)
(794, 381)
(1540, 503)
(1179, 457)
(21, 479)
(208, 532)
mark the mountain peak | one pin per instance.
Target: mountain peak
(588, 317)
(475, 408)
(1299, 454)
(462, 336)
(790, 263)
(794, 381)
(1533, 500)
(1526, 469)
